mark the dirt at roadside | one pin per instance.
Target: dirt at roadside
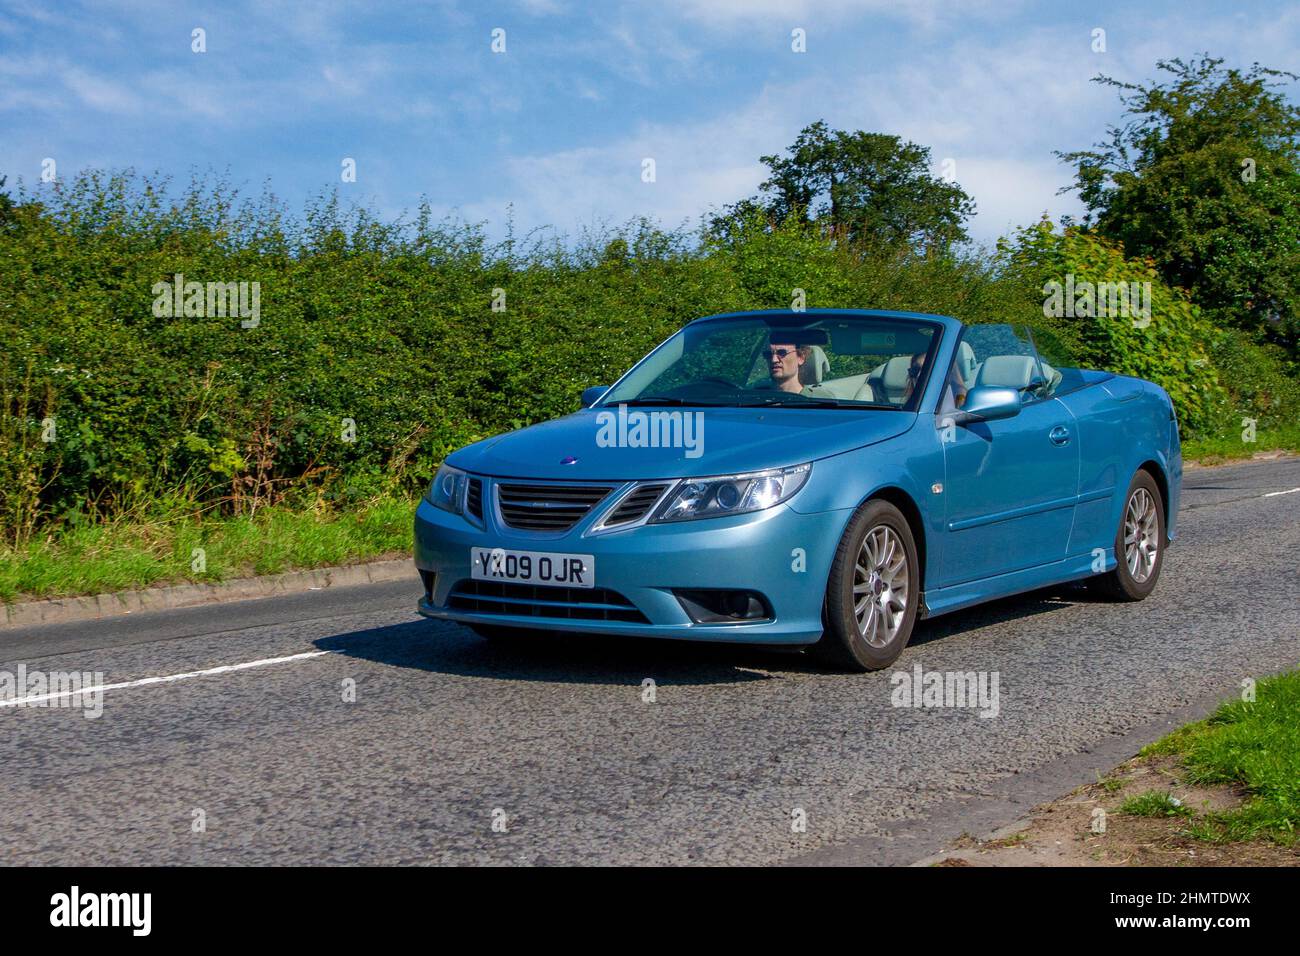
(1061, 833)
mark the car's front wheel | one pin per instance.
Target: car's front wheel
(873, 590)
(1139, 543)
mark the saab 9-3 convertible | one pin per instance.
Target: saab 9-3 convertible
(819, 478)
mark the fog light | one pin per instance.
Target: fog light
(430, 580)
(724, 606)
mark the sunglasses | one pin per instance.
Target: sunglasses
(779, 353)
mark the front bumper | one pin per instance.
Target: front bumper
(782, 554)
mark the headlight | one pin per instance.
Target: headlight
(732, 494)
(447, 490)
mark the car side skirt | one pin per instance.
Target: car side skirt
(958, 596)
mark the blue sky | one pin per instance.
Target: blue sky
(557, 126)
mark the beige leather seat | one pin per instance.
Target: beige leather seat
(966, 365)
(887, 382)
(1007, 371)
(815, 367)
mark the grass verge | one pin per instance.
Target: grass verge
(1254, 745)
(117, 555)
(1224, 791)
(1154, 803)
(1208, 451)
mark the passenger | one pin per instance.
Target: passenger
(956, 388)
(913, 376)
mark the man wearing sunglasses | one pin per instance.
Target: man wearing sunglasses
(783, 365)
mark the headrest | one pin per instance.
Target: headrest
(1007, 371)
(894, 376)
(815, 367)
(966, 363)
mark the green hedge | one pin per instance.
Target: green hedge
(1159, 335)
(391, 325)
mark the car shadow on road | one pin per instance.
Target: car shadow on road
(1002, 611)
(583, 659)
(556, 657)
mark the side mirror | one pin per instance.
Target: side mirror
(986, 404)
(592, 395)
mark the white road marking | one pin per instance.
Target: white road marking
(1274, 494)
(170, 678)
(265, 662)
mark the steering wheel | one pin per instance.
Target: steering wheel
(715, 380)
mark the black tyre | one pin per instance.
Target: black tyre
(873, 591)
(1139, 544)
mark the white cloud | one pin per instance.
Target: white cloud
(998, 113)
(542, 8)
(99, 92)
(1010, 193)
(999, 109)
(926, 13)
(697, 165)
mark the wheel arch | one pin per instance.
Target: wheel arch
(1157, 473)
(905, 503)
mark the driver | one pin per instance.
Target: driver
(784, 361)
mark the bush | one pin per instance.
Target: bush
(381, 347)
(1260, 381)
(1172, 349)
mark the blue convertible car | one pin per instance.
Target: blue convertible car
(814, 478)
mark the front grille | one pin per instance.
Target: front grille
(547, 507)
(474, 498)
(634, 506)
(531, 600)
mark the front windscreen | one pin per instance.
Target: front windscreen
(787, 360)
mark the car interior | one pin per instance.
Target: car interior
(879, 382)
(869, 363)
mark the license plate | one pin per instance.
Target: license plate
(533, 567)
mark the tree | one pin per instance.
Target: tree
(870, 187)
(1204, 179)
(6, 204)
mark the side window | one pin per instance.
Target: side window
(1058, 363)
(999, 356)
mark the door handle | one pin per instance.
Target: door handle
(1060, 435)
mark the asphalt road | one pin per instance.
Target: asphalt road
(446, 730)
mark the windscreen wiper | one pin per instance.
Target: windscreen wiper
(773, 401)
(663, 400)
(806, 402)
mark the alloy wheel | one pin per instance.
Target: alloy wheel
(880, 581)
(1141, 535)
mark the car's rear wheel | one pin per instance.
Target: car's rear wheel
(1139, 543)
(872, 592)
